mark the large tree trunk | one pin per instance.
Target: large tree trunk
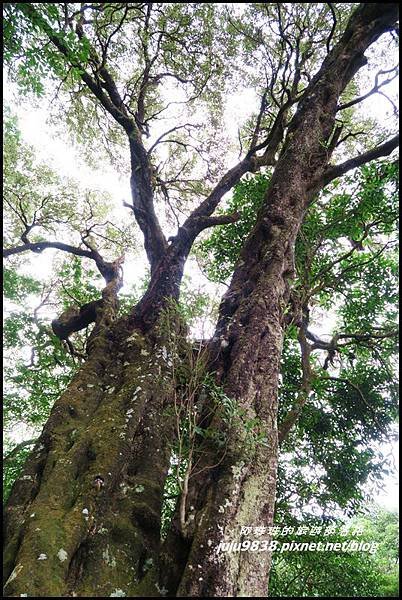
(84, 518)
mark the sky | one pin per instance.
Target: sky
(65, 160)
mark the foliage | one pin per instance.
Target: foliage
(179, 45)
(341, 574)
(220, 251)
(40, 205)
(15, 285)
(12, 469)
(39, 368)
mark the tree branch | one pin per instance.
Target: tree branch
(197, 221)
(40, 246)
(204, 222)
(385, 149)
(141, 187)
(17, 448)
(373, 90)
(334, 23)
(293, 415)
(163, 135)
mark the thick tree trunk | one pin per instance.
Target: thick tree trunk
(84, 517)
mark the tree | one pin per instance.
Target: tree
(345, 573)
(85, 516)
(338, 396)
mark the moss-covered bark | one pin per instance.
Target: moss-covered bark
(84, 517)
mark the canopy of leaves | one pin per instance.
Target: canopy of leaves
(152, 51)
(175, 68)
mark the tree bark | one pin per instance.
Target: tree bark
(84, 517)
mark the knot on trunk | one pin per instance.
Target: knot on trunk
(75, 318)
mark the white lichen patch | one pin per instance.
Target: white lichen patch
(111, 390)
(130, 413)
(132, 337)
(90, 385)
(136, 391)
(139, 488)
(237, 470)
(144, 352)
(31, 516)
(221, 509)
(117, 593)
(108, 558)
(124, 488)
(102, 530)
(42, 557)
(85, 511)
(26, 478)
(62, 555)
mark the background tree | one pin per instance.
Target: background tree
(88, 504)
(332, 574)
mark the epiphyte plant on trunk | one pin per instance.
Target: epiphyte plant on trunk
(65, 534)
